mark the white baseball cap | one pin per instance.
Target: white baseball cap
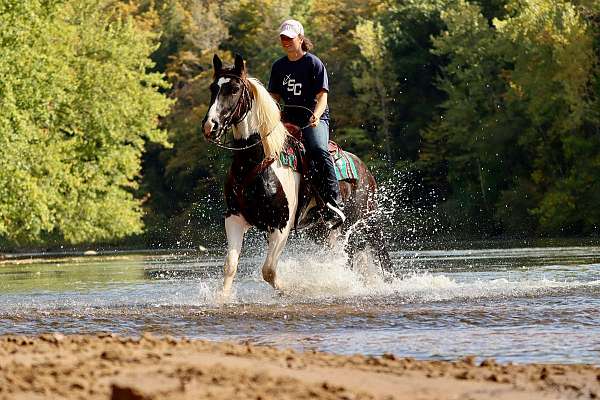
(291, 28)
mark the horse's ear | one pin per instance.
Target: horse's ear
(217, 63)
(239, 64)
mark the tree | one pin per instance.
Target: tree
(330, 25)
(375, 82)
(253, 33)
(78, 106)
(517, 116)
(410, 27)
(551, 46)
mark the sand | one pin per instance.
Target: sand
(89, 367)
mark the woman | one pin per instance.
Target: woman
(300, 79)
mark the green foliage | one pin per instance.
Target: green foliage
(374, 82)
(78, 107)
(471, 127)
(460, 87)
(518, 114)
(330, 24)
(492, 104)
(179, 178)
(253, 31)
(551, 77)
(410, 27)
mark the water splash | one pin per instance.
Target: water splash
(313, 274)
(522, 311)
(406, 209)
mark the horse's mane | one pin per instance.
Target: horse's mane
(266, 119)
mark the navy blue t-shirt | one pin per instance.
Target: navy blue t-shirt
(298, 82)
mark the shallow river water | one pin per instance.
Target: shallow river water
(517, 304)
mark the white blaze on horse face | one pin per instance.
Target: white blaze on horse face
(213, 111)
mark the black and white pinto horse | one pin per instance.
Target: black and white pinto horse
(262, 192)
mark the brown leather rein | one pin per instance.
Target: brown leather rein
(236, 114)
(243, 107)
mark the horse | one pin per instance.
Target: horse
(260, 191)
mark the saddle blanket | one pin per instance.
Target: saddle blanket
(345, 167)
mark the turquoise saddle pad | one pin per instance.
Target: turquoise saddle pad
(345, 166)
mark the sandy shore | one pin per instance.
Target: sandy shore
(54, 366)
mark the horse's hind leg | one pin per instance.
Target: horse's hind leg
(277, 241)
(235, 228)
(357, 252)
(377, 243)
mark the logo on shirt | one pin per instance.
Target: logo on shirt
(292, 86)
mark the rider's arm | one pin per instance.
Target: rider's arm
(319, 108)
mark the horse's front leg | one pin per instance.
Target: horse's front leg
(277, 240)
(235, 228)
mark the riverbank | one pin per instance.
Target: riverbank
(42, 257)
(29, 255)
(118, 368)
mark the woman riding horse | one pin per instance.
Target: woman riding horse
(300, 79)
(262, 191)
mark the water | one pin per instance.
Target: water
(519, 305)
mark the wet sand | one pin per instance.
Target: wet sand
(54, 366)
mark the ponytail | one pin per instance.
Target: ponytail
(307, 44)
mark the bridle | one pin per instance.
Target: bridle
(235, 115)
(238, 112)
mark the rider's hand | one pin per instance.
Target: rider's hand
(314, 121)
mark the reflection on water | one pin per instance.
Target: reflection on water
(536, 304)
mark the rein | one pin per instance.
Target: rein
(243, 107)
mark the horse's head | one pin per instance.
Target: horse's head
(231, 98)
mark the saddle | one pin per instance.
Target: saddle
(296, 133)
(295, 156)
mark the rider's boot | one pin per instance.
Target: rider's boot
(322, 175)
(333, 211)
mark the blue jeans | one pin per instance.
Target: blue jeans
(322, 173)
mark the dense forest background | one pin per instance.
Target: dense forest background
(480, 118)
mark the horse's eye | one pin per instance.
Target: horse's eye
(229, 90)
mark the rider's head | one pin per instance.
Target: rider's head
(291, 34)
